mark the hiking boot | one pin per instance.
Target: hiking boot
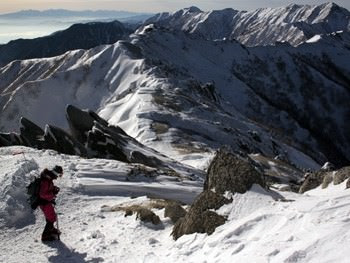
(55, 231)
(49, 237)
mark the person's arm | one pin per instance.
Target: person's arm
(46, 192)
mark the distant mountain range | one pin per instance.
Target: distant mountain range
(171, 86)
(78, 36)
(265, 26)
(26, 14)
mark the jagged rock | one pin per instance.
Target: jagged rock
(229, 172)
(348, 184)
(199, 218)
(103, 145)
(4, 141)
(81, 122)
(32, 133)
(341, 175)
(328, 167)
(174, 211)
(8, 139)
(146, 215)
(91, 136)
(312, 180)
(59, 140)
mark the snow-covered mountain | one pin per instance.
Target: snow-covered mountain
(77, 36)
(194, 95)
(159, 105)
(265, 26)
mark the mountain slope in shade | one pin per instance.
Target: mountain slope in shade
(265, 26)
(191, 95)
(78, 36)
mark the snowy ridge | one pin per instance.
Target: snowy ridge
(78, 36)
(264, 26)
(180, 93)
(260, 227)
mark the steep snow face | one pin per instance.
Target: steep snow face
(181, 93)
(264, 26)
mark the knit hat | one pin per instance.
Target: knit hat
(58, 170)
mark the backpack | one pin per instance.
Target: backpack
(33, 191)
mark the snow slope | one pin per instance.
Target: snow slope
(181, 93)
(264, 26)
(261, 227)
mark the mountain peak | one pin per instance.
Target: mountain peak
(192, 9)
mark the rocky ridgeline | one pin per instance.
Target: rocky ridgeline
(90, 136)
(324, 177)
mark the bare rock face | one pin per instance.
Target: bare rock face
(89, 136)
(146, 215)
(324, 178)
(31, 133)
(59, 140)
(174, 211)
(200, 219)
(230, 172)
(348, 184)
(341, 175)
(312, 180)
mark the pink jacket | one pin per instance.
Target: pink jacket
(47, 188)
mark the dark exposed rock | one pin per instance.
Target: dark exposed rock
(312, 180)
(9, 139)
(31, 133)
(230, 172)
(82, 121)
(348, 184)
(199, 218)
(91, 136)
(59, 140)
(174, 211)
(103, 145)
(4, 141)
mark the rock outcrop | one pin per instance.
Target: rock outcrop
(228, 172)
(324, 178)
(174, 211)
(90, 136)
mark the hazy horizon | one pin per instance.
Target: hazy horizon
(150, 6)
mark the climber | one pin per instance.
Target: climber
(47, 193)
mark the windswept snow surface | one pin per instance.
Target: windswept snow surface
(312, 227)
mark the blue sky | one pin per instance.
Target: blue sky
(151, 5)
